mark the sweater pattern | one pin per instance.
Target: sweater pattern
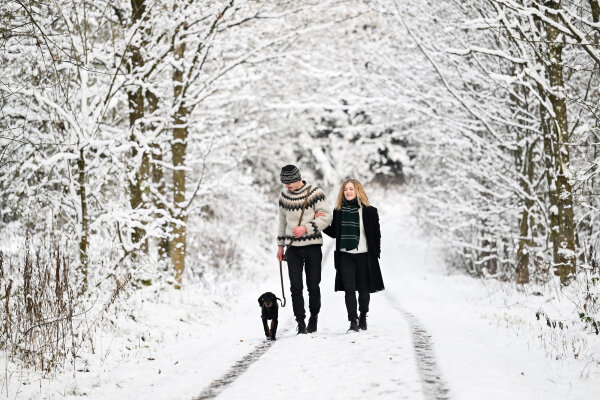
(290, 208)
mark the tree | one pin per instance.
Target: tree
(504, 132)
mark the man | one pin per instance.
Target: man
(305, 250)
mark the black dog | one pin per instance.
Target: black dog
(269, 311)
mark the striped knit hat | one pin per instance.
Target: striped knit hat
(290, 174)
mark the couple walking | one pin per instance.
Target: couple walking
(303, 215)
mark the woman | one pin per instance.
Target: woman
(355, 227)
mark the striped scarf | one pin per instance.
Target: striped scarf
(350, 225)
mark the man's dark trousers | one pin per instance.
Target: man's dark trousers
(308, 257)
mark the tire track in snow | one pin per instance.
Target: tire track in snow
(240, 366)
(237, 369)
(434, 385)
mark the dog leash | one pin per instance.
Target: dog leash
(282, 291)
(288, 246)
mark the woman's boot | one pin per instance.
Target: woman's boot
(312, 323)
(362, 321)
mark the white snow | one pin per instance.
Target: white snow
(483, 339)
(485, 342)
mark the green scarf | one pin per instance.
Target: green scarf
(350, 225)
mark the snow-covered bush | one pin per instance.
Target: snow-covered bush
(47, 321)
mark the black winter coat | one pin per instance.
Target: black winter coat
(373, 234)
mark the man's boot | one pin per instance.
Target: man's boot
(353, 325)
(362, 321)
(301, 328)
(312, 323)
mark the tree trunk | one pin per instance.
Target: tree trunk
(158, 179)
(85, 224)
(139, 186)
(524, 165)
(178, 149)
(595, 5)
(564, 254)
(488, 258)
(549, 163)
(525, 230)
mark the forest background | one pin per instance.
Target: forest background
(141, 143)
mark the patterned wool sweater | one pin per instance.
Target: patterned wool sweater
(290, 208)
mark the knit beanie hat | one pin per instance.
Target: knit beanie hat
(290, 174)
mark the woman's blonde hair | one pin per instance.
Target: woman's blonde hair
(363, 200)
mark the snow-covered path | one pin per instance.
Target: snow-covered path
(484, 349)
(432, 335)
(394, 358)
(333, 363)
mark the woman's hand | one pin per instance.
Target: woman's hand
(319, 214)
(298, 231)
(280, 253)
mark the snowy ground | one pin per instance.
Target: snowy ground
(487, 345)
(476, 348)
